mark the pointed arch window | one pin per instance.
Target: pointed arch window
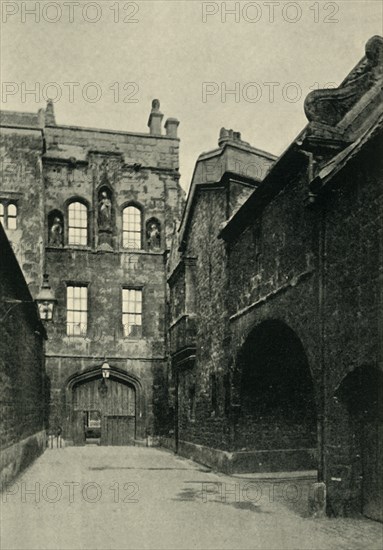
(77, 224)
(132, 227)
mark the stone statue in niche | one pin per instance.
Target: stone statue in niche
(56, 233)
(104, 211)
(154, 236)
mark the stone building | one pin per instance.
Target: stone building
(264, 352)
(276, 328)
(96, 209)
(223, 179)
(23, 384)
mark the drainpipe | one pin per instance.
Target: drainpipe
(43, 263)
(321, 235)
(321, 304)
(321, 221)
(176, 411)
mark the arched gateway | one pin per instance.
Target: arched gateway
(278, 413)
(105, 410)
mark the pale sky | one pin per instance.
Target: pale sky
(170, 52)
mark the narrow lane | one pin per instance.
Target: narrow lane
(145, 498)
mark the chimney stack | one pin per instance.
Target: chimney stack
(171, 126)
(41, 117)
(228, 135)
(155, 118)
(50, 119)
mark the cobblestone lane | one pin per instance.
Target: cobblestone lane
(136, 498)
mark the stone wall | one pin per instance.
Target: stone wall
(46, 166)
(199, 292)
(353, 326)
(273, 266)
(207, 426)
(22, 182)
(136, 169)
(23, 384)
(306, 266)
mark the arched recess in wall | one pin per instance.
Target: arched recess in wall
(132, 225)
(153, 234)
(55, 227)
(359, 432)
(105, 213)
(276, 391)
(119, 396)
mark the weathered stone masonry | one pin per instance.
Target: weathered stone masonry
(282, 367)
(198, 289)
(91, 168)
(265, 351)
(23, 387)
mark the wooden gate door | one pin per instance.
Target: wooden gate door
(118, 430)
(114, 402)
(78, 428)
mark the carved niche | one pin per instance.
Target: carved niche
(153, 234)
(105, 216)
(104, 209)
(55, 228)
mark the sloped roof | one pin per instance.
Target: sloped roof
(15, 118)
(11, 269)
(341, 122)
(234, 157)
